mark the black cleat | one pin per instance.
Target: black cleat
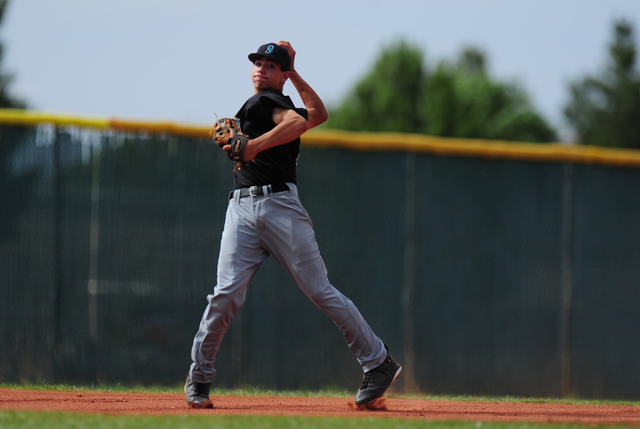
(197, 394)
(378, 380)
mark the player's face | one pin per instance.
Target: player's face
(267, 74)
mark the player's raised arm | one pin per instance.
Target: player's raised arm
(290, 126)
(312, 102)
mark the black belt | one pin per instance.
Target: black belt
(256, 191)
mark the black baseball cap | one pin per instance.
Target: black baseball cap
(273, 52)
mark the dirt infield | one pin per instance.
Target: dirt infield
(174, 404)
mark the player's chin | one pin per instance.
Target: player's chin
(262, 84)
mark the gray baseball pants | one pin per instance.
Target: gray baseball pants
(277, 225)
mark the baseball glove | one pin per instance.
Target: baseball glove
(223, 129)
(238, 143)
(226, 131)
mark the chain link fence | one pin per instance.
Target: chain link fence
(483, 275)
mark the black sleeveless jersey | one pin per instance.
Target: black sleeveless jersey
(275, 165)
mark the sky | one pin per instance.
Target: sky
(186, 60)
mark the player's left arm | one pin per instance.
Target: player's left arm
(289, 126)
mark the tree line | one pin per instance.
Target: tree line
(459, 98)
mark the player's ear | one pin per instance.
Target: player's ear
(285, 77)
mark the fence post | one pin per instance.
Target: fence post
(55, 286)
(567, 280)
(94, 249)
(409, 284)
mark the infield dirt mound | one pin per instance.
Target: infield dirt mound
(159, 404)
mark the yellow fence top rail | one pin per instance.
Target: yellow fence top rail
(392, 142)
(477, 148)
(32, 118)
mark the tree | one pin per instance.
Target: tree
(6, 100)
(604, 109)
(457, 99)
(463, 101)
(389, 98)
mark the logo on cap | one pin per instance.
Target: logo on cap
(269, 49)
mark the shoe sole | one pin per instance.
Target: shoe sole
(395, 377)
(200, 406)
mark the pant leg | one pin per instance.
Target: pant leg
(240, 257)
(289, 237)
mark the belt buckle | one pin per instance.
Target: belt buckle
(254, 191)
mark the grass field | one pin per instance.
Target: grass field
(55, 420)
(49, 420)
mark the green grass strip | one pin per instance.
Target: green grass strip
(56, 420)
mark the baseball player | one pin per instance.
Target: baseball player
(265, 218)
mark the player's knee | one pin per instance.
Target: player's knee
(225, 303)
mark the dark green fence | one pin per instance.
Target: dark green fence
(483, 276)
